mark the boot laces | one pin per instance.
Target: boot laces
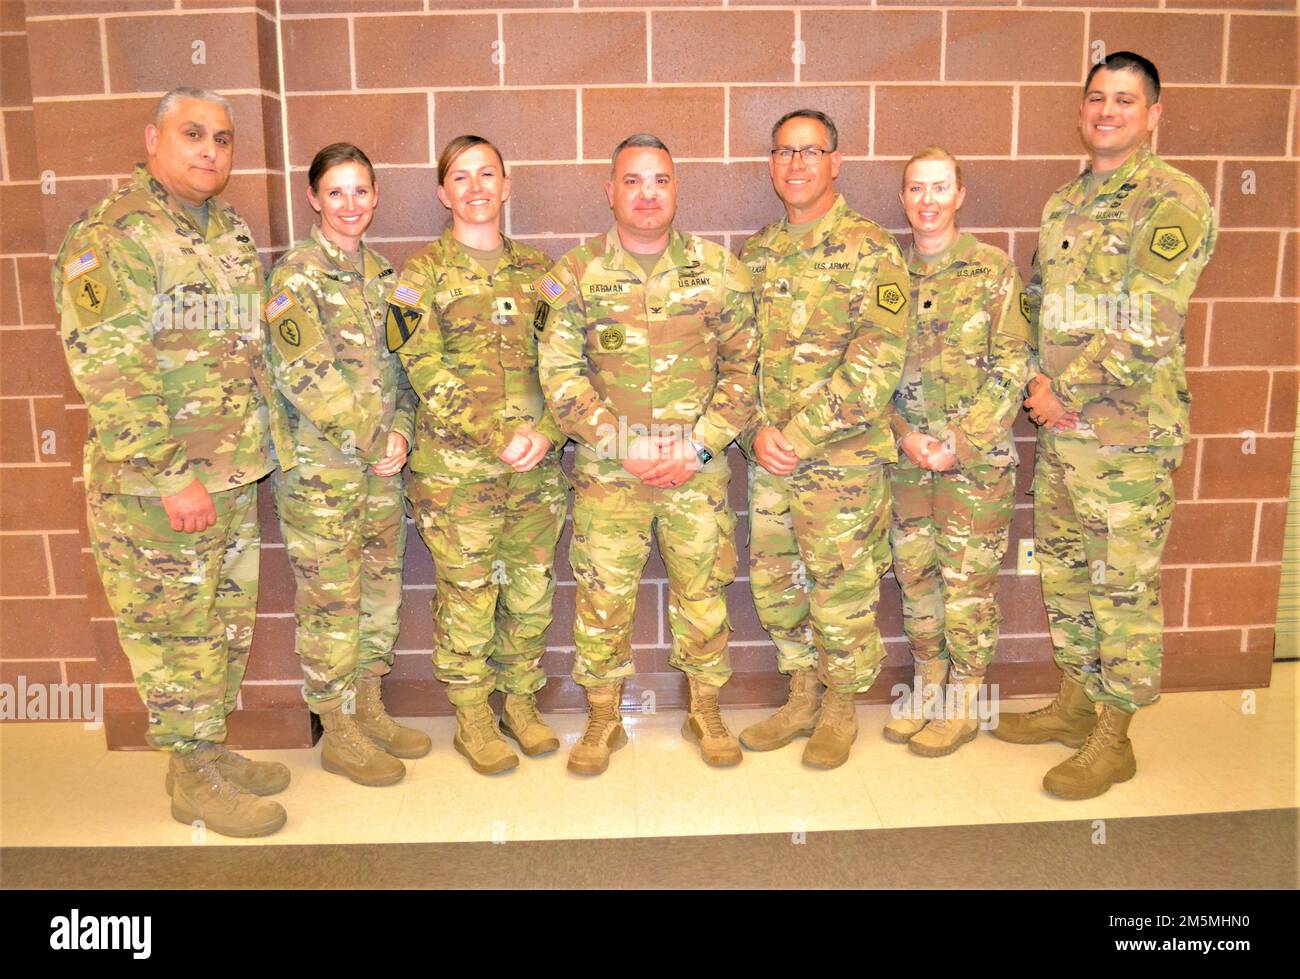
(351, 736)
(371, 707)
(599, 716)
(1101, 736)
(525, 709)
(481, 722)
(217, 782)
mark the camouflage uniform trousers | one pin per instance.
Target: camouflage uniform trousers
(613, 517)
(1101, 519)
(185, 606)
(949, 535)
(819, 546)
(493, 545)
(345, 534)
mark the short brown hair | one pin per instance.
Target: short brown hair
(329, 157)
(458, 146)
(933, 153)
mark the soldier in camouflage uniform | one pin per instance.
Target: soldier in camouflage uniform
(1119, 254)
(159, 290)
(486, 486)
(647, 362)
(352, 415)
(954, 484)
(832, 295)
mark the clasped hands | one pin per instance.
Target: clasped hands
(1045, 407)
(662, 461)
(525, 450)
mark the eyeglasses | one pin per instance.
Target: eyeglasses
(811, 155)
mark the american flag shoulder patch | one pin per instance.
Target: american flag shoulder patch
(87, 261)
(551, 287)
(278, 305)
(406, 295)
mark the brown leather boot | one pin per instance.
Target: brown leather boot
(704, 726)
(1068, 719)
(200, 793)
(257, 777)
(521, 721)
(923, 705)
(374, 722)
(478, 739)
(957, 725)
(604, 733)
(795, 718)
(837, 729)
(345, 750)
(1105, 758)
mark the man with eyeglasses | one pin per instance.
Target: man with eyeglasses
(831, 290)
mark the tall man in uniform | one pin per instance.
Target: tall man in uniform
(647, 362)
(1119, 253)
(832, 293)
(159, 290)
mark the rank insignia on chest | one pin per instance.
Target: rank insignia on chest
(890, 297)
(1169, 242)
(612, 338)
(505, 306)
(783, 287)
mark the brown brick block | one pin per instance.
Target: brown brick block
(44, 628)
(1092, 3)
(575, 48)
(68, 564)
(1185, 47)
(1173, 594)
(228, 41)
(418, 568)
(554, 247)
(29, 675)
(272, 656)
(1255, 334)
(97, 606)
(531, 125)
(316, 54)
(974, 119)
(275, 591)
(689, 120)
(1290, 265)
(9, 307)
(266, 518)
(118, 125)
(1048, 47)
(60, 434)
(71, 199)
(1282, 402)
(315, 7)
(415, 620)
(31, 362)
(38, 498)
(63, 8)
(1185, 474)
(1228, 473)
(262, 147)
(1260, 640)
(1209, 643)
(1262, 51)
(15, 84)
(1049, 121)
(81, 671)
(23, 568)
(1235, 122)
(722, 46)
(23, 230)
(1244, 265)
(247, 192)
(1021, 598)
(1210, 533)
(723, 196)
(20, 144)
(114, 667)
(390, 128)
(561, 199)
(1234, 596)
(13, 17)
(1272, 200)
(989, 205)
(1195, 333)
(755, 109)
(414, 52)
(1272, 531)
(1233, 5)
(16, 426)
(870, 45)
(871, 189)
(66, 57)
(268, 696)
(1227, 402)
(36, 291)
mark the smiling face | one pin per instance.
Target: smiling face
(1116, 117)
(192, 150)
(345, 198)
(643, 193)
(807, 191)
(475, 187)
(931, 199)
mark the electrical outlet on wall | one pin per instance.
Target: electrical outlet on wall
(1026, 556)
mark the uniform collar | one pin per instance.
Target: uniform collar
(783, 240)
(462, 259)
(960, 252)
(147, 183)
(679, 252)
(1140, 157)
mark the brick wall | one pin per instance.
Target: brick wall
(556, 83)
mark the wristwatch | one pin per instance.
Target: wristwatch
(702, 451)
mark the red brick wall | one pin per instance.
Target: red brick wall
(556, 83)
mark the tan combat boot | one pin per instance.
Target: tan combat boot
(958, 723)
(200, 793)
(478, 739)
(374, 722)
(344, 750)
(604, 733)
(796, 717)
(837, 729)
(704, 726)
(1068, 719)
(1105, 758)
(521, 721)
(930, 674)
(257, 777)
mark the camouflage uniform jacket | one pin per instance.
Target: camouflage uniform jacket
(968, 354)
(832, 317)
(162, 330)
(1115, 268)
(468, 341)
(676, 351)
(345, 391)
